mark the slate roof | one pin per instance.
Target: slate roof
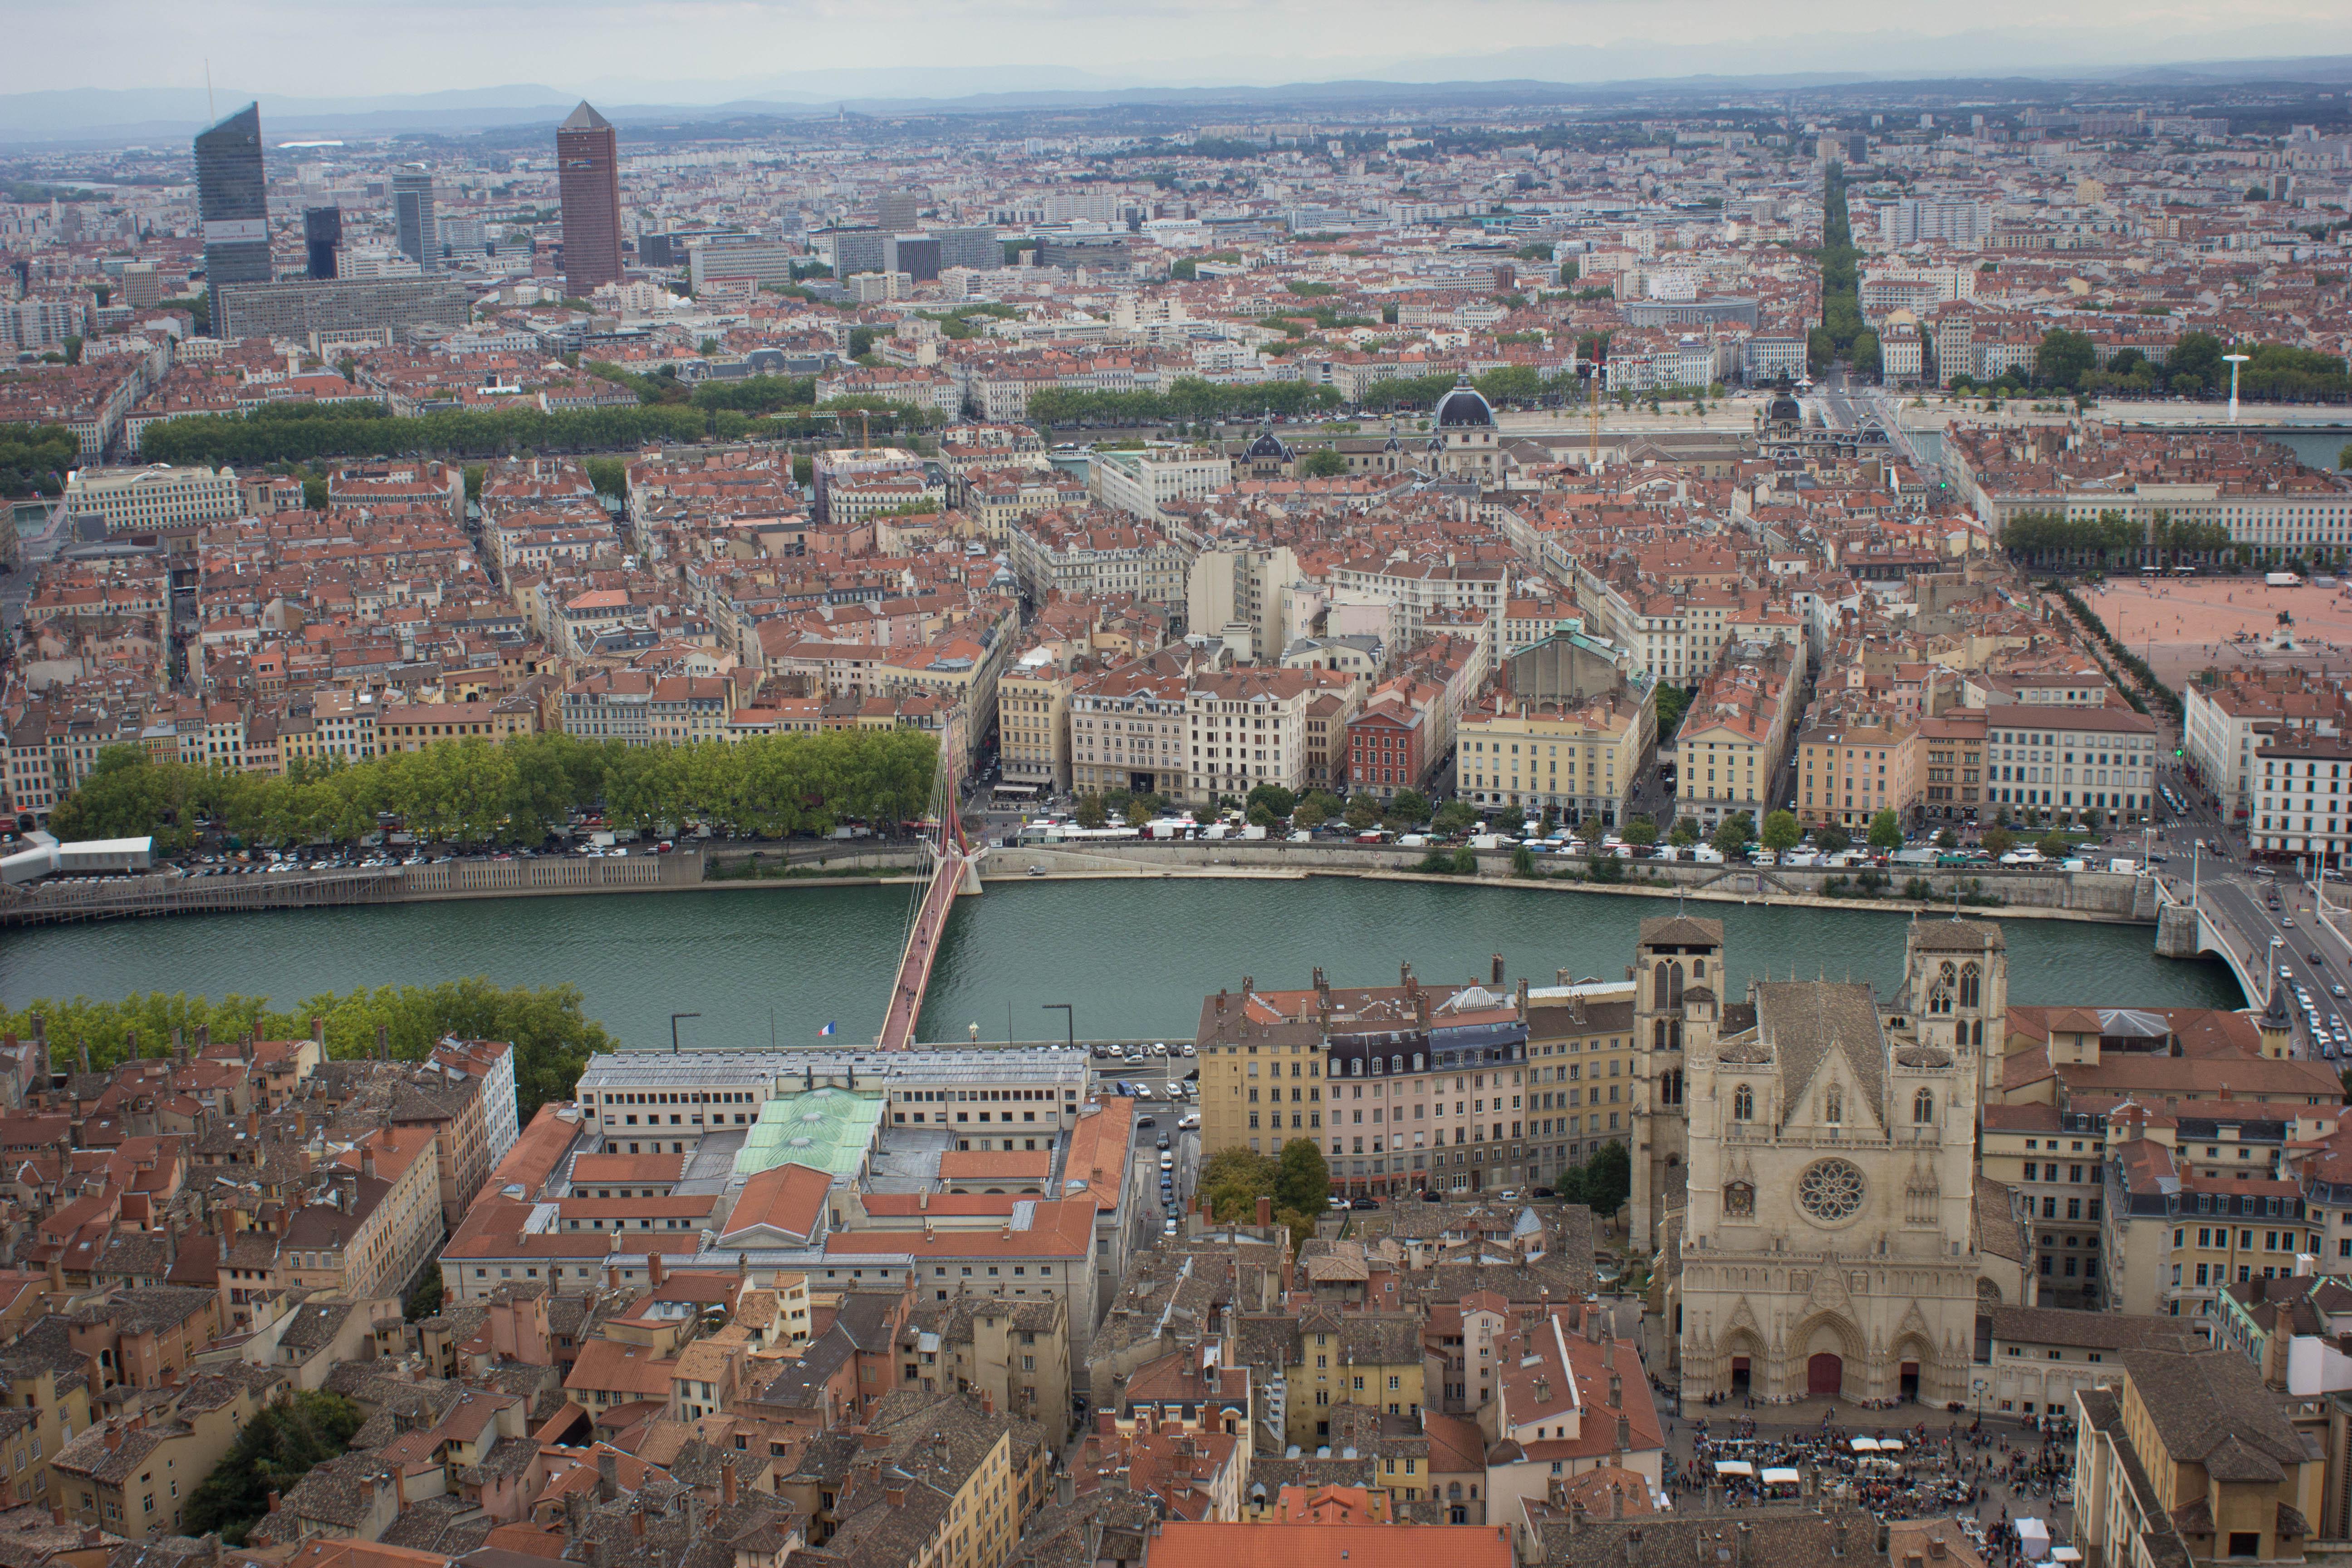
(1804, 1020)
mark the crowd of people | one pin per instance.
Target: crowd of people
(1914, 1472)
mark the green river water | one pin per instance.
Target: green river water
(1133, 958)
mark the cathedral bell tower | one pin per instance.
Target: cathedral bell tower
(1956, 983)
(1677, 988)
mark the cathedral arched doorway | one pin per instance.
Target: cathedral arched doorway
(1824, 1374)
(1743, 1364)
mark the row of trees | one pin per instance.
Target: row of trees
(1840, 335)
(2067, 362)
(478, 791)
(302, 432)
(2050, 538)
(553, 1038)
(735, 411)
(34, 459)
(1189, 399)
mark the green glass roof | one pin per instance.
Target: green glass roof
(828, 1130)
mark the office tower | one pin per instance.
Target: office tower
(143, 286)
(977, 247)
(897, 211)
(588, 164)
(1953, 222)
(323, 235)
(715, 257)
(412, 211)
(342, 309)
(855, 250)
(233, 202)
(916, 255)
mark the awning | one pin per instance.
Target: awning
(1734, 1467)
(1778, 1475)
(1865, 1445)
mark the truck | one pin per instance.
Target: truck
(1253, 831)
(1483, 841)
(2129, 867)
(2282, 580)
(1913, 857)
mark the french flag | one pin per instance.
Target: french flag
(827, 1029)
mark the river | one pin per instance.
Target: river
(1133, 959)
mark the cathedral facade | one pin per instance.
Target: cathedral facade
(1808, 1153)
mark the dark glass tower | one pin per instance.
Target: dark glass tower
(413, 215)
(322, 232)
(588, 167)
(233, 202)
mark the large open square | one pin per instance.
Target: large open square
(2183, 624)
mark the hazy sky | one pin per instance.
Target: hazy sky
(707, 49)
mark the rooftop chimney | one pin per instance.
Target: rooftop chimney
(608, 1475)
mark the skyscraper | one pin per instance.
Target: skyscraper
(233, 202)
(412, 211)
(896, 211)
(323, 235)
(588, 166)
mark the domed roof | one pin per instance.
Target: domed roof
(1268, 445)
(1463, 408)
(1923, 1056)
(1784, 410)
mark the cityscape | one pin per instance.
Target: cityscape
(1127, 792)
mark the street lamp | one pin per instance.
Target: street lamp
(2234, 361)
(1069, 1018)
(674, 1017)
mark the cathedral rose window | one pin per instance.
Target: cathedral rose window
(1829, 1189)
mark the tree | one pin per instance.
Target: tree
(1323, 463)
(1184, 270)
(1411, 805)
(1466, 862)
(1362, 812)
(1731, 835)
(1887, 831)
(1781, 833)
(1997, 841)
(1947, 839)
(1642, 831)
(1603, 1182)
(1454, 816)
(1302, 1182)
(1260, 815)
(285, 1442)
(1139, 811)
(1316, 810)
(1685, 832)
(1523, 861)
(2065, 358)
(1673, 702)
(1277, 801)
(425, 1301)
(2054, 845)
(1832, 840)
(1091, 812)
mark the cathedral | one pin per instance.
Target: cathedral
(1805, 1168)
